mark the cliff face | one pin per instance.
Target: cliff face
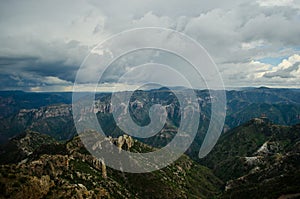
(69, 171)
(54, 120)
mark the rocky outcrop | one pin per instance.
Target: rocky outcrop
(124, 141)
(104, 171)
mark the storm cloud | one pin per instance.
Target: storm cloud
(43, 43)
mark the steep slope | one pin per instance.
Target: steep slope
(256, 159)
(23, 145)
(70, 171)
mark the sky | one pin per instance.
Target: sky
(44, 43)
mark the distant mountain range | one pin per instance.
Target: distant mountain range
(11, 102)
(51, 113)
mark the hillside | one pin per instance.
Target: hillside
(67, 170)
(256, 158)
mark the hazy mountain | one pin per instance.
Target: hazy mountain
(12, 101)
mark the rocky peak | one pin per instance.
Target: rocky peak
(124, 141)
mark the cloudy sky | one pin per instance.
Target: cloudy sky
(253, 43)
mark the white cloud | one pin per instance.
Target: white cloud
(276, 2)
(287, 63)
(285, 74)
(287, 69)
(252, 45)
(55, 81)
